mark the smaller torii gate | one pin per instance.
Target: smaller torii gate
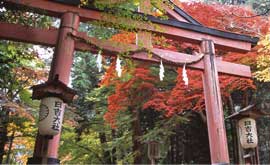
(66, 39)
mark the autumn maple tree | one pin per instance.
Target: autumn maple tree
(140, 91)
(181, 97)
(138, 107)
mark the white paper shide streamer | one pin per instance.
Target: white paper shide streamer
(161, 71)
(99, 61)
(118, 67)
(184, 75)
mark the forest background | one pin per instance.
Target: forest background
(114, 118)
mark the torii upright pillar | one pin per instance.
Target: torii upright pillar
(46, 150)
(214, 110)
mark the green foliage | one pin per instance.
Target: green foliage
(163, 129)
(25, 17)
(25, 97)
(20, 68)
(263, 60)
(87, 150)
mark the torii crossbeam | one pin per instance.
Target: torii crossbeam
(66, 39)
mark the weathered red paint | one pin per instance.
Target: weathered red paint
(63, 57)
(214, 110)
(48, 37)
(65, 46)
(56, 9)
(61, 66)
(16, 32)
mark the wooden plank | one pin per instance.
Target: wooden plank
(16, 32)
(183, 14)
(172, 29)
(48, 37)
(172, 58)
(173, 14)
(233, 69)
(224, 67)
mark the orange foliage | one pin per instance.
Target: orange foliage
(27, 75)
(233, 19)
(125, 37)
(191, 97)
(130, 93)
(140, 91)
(181, 97)
(108, 77)
(227, 18)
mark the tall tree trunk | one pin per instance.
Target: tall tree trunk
(114, 159)
(137, 132)
(106, 154)
(4, 117)
(233, 132)
(10, 146)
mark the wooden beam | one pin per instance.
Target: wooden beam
(16, 32)
(172, 29)
(214, 107)
(48, 37)
(224, 67)
(183, 14)
(173, 14)
(172, 58)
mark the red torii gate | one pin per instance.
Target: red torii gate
(67, 39)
